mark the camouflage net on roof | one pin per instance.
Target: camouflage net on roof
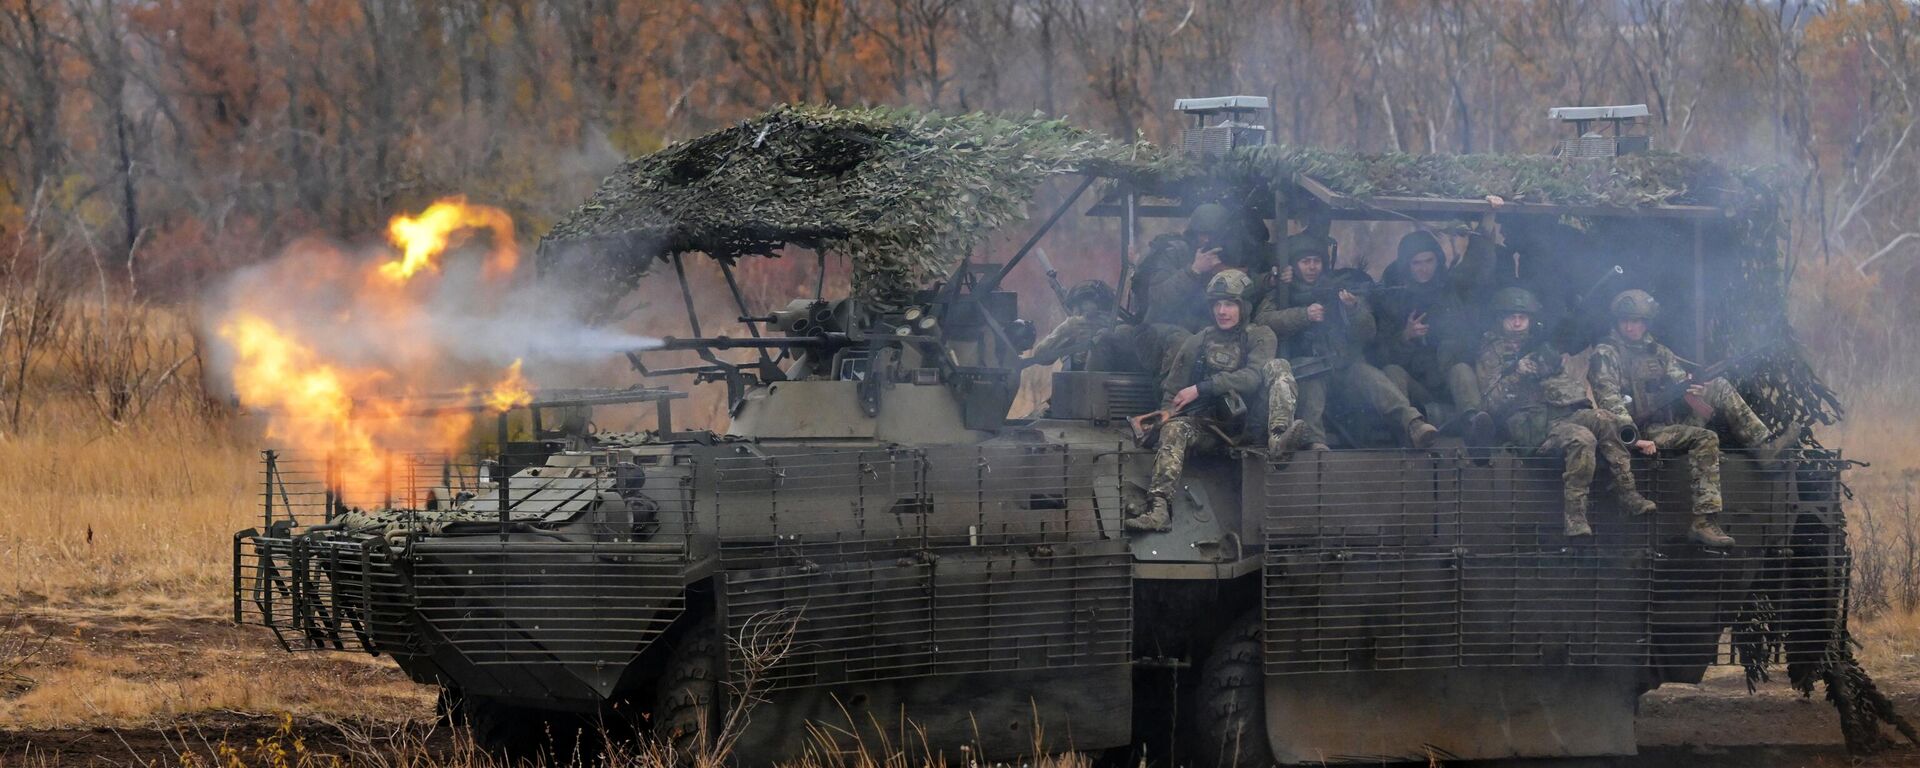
(903, 194)
(1653, 178)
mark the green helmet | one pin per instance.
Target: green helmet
(1210, 218)
(1508, 301)
(1091, 291)
(1634, 304)
(1309, 244)
(1229, 284)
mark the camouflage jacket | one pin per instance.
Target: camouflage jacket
(1218, 361)
(1285, 311)
(1075, 337)
(1508, 392)
(1620, 369)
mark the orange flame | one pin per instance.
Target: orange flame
(512, 391)
(362, 404)
(421, 239)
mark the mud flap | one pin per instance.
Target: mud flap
(1451, 714)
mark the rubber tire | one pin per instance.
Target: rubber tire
(1230, 710)
(687, 698)
(516, 733)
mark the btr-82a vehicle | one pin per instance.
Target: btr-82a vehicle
(875, 544)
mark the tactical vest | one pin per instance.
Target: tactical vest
(1645, 374)
(1558, 390)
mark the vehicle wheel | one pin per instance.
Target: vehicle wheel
(686, 707)
(1230, 712)
(515, 732)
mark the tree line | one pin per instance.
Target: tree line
(166, 140)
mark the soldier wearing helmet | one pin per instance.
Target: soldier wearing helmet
(1540, 407)
(1629, 367)
(1173, 277)
(1327, 328)
(1091, 338)
(1213, 375)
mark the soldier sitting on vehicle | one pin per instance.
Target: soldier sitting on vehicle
(1326, 327)
(1540, 406)
(1205, 394)
(1426, 344)
(1629, 372)
(1092, 337)
(1171, 284)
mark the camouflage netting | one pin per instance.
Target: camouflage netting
(903, 194)
(1654, 178)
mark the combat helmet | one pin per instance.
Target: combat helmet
(1091, 291)
(1634, 304)
(1508, 301)
(1231, 284)
(1310, 244)
(1210, 218)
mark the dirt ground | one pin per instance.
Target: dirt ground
(120, 686)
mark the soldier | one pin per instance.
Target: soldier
(1540, 406)
(1326, 328)
(1170, 287)
(1629, 362)
(1091, 338)
(1176, 273)
(1213, 373)
(1425, 344)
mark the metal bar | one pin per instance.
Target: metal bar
(740, 302)
(1699, 290)
(993, 282)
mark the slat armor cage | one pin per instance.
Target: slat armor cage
(1402, 560)
(485, 585)
(928, 561)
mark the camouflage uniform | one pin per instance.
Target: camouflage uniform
(1285, 311)
(1620, 369)
(1238, 362)
(1544, 409)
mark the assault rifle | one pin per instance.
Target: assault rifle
(1231, 402)
(1333, 329)
(1665, 398)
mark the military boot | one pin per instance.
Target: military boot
(1479, 430)
(1157, 517)
(1707, 533)
(1282, 444)
(1636, 504)
(1768, 453)
(1420, 434)
(1577, 523)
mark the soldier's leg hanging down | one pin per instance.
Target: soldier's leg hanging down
(1283, 430)
(1610, 450)
(1177, 436)
(1574, 445)
(1702, 447)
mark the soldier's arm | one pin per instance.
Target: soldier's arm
(1247, 379)
(1060, 342)
(1603, 374)
(1497, 390)
(1670, 361)
(1181, 371)
(1284, 321)
(1360, 324)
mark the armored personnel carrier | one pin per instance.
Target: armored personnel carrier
(877, 541)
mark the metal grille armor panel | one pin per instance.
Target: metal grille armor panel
(907, 563)
(1395, 560)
